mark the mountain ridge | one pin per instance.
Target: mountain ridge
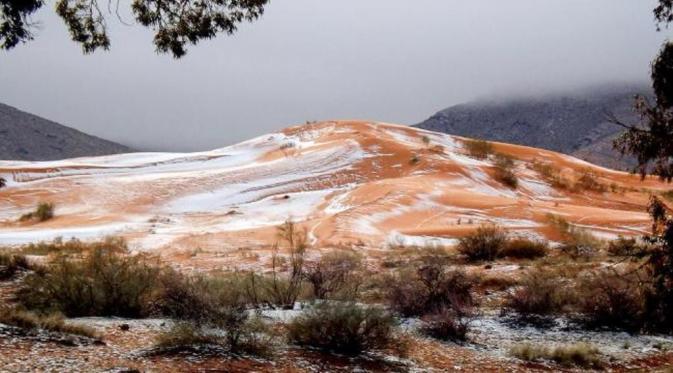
(574, 123)
(28, 137)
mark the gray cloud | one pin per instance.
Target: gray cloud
(388, 60)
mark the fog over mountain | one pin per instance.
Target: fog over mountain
(387, 60)
(575, 122)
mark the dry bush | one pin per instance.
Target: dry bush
(334, 276)
(43, 212)
(541, 293)
(345, 328)
(250, 337)
(588, 181)
(74, 246)
(11, 264)
(497, 282)
(415, 159)
(479, 149)
(610, 299)
(523, 248)
(551, 174)
(103, 283)
(623, 246)
(446, 325)
(53, 322)
(285, 291)
(578, 354)
(483, 244)
(431, 289)
(504, 171)
(577, 243)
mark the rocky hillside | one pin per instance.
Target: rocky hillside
(24, 136)
(574, 124)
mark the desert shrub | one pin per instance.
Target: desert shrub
(540, 293)
(588, 181)
(431, 289)
(623, 246)
(54, 322)
(578, 354)
(74, 246)
(504, 171)
(446, 325)
(43, 212)
(334, 276)
(103, 283)
(576, 242)
(551, 174)
(251, 336)
(497, 282)
(522, 248)
(483, 244)
(668, 195)
(479, 149)
(284, 291)
(611, 299)
(3, 182)
(415, 159)
(345, 328)
(11, 264)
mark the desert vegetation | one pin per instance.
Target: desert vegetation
(576, 355)
(11, 264)
(343, 327)
(43, 212)
(340, 306)
(504, 171)
(489, 242)
(20, 318)
(479, 149)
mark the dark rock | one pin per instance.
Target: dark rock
(24, 136)
(574, 123)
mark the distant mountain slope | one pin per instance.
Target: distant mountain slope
(573, 124)
(24, 136)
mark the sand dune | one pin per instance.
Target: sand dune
(374, 184)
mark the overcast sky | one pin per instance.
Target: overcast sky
(389, 60)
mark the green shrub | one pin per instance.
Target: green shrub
(504, 171)
(103, 283)
(11, 264)
(53, 322)
(610, 299)
(344, 328)
(541, 293)
(334, 276)
(483, 244)
(431, 289)
(74, 246)
(43, 212)
(479, 149)
(579, 354)
(250, 336)
(522, 248)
